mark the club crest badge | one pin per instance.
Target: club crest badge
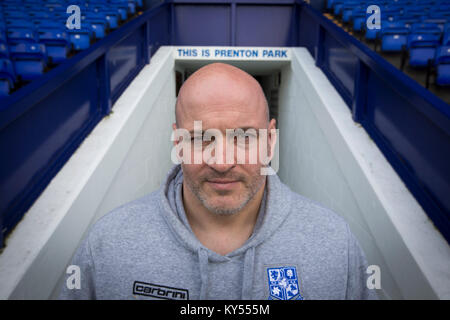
(283, 283)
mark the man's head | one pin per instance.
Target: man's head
(224, 97)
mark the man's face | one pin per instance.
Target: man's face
(229, 100)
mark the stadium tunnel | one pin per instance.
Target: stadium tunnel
(322, 154)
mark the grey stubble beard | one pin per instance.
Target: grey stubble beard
(223, 211)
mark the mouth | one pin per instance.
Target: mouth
(223, 184)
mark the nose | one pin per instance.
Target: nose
(221, 163)
(222, 168)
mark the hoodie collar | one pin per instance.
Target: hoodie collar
(273, 211)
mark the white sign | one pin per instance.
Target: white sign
(232, 53)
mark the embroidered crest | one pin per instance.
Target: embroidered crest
(283, 283)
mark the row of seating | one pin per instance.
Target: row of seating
(420, 30)
(34, 36)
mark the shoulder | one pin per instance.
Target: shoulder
(316, 221)
(130, 218)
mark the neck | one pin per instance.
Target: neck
(221, 233)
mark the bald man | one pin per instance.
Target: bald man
(221, 229)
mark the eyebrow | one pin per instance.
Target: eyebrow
(247, 128)
(244, 129)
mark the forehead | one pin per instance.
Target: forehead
(224, 117)
(222, 101)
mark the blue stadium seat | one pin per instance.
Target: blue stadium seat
(80, 38)
(425, 28)
(7, 77)
(97, 23)
(419, 8)
(348, 8)
(442, 7)
(408, 21)
(33, 34)
(57, 44)
(29, 59)
(15, 14)
(390, 13)
(32, 3)
(21, 35)
(337, 7)
(439, 22)
(3, 37)
(446, 35)
(442, 63)
(60, 14)
(359, 19)
(19, 24)
(372, 34)
(131, 7)
(394, 36)
(51, 24)
(422, 49)
(4, 52)
(438, 18)
(53, 7)
(121, 7)
(330, 4)
(40, 15)
(112, 17)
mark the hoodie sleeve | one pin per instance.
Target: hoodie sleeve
(82, 287)
(357, 276)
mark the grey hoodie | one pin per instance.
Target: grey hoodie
(146, 250)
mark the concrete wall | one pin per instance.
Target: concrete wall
(308, 166)
(121, 160)
(327, 157)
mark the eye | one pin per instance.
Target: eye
(245, 139)
(197, 139)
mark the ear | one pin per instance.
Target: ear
(174, 127)
(272, 134)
